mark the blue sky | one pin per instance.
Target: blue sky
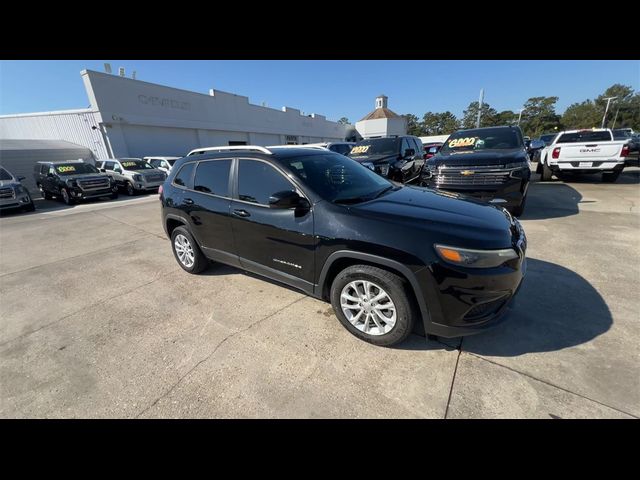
(331, 88)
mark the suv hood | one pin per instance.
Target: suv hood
(145, 171)
(485, 157)
(84, 176)
(461, 219)
(375, 158)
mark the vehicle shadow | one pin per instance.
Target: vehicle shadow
(555, 309)
(629, 176)
(551, 200)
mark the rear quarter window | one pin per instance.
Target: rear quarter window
(184, 177)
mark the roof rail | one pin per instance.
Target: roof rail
(306, 145)
(230, 147)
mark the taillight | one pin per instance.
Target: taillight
(160, 190)
(556, 152)
(625, 151)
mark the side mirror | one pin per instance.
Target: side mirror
(286, 199)
(103, 170)
(20, 178)
(409, 152)
(50, 175)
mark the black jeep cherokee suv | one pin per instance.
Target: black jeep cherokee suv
(72, 181)
(397, 158)
(490, 164)
(385, 255)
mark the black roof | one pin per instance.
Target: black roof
(277, 153)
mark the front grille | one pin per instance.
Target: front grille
(94, 184)
(485, 309)
(446, 177)
(154, 177)
(7, 192)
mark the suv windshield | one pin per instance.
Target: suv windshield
(336, 178)
(135, 165)
(4, 175)
(74, 168)
(585, 136)
(171, 162)
(376, 146)
(482, 139)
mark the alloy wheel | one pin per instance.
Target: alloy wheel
(368, 307)
(184, 250)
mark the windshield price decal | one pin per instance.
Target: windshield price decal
(462, 142)
(66, 168)
(129, 164)
(360, 149)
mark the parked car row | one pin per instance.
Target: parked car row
(13, 195)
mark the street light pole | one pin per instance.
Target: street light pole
(520, 115)
(615, 118)
(480, 107)
(604, 117)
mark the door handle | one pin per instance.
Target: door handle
(241, 213)
(187, 201)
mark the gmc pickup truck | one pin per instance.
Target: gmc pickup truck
(584, 151)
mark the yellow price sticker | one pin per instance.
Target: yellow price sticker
(129, 164)
(360, 149)
(66, 168)
(462, 142)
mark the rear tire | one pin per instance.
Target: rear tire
(114, 195)
(46, 195)
(610, 177)
(380, 282)
(186, 250)
(546, 174)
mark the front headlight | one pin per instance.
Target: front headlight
(515, 165)
(137, 178)
(20, 189)
(369, 165)
(465, 257)
(72, 183)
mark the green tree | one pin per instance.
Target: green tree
(581, 115)
(488, 117)
(440, 123)
(625, 109)
(343, 121)
(506, 117)
(414, 127)
(539, 116)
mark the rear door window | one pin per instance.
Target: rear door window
(213, 177)
(585, 137)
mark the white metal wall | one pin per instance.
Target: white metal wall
(72, 126)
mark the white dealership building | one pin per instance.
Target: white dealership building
(133, 118)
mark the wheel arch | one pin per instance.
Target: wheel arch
(338, 261)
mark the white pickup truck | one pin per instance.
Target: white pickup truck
(584, 151)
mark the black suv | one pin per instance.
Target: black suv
(490, 164)
(72, 180)
(383, 254)
(397, 158)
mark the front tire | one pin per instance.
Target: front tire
(30, 208)
(131, 191)
(186, 250)
(372, 304)
(66, 198)
(519, 210)
(610, 177)
(114, 195)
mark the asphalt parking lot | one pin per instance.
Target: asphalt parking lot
(98, 320)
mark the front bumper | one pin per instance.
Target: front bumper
(80, 194)
(21, 200)
(466, 301)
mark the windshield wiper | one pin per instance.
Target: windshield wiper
(381, 192)
(350, 200)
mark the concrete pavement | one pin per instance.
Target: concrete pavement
(98, 321)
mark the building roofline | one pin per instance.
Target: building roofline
(52, 112)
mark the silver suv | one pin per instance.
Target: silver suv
(12, 193)
(132, 174)
(161, 163)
